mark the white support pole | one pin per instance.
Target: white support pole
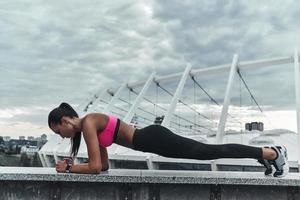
(48, 162)
(297, 90)
(222, 122)
(42, 159)
(114, 98)
(137, 101)
(167, 119)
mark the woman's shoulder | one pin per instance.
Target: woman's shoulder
(97, 119)
(95, 115)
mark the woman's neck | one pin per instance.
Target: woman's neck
(77, 123)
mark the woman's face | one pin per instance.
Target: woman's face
(65, 129)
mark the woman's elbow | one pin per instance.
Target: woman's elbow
(96, 169)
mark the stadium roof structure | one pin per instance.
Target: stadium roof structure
(139, 104)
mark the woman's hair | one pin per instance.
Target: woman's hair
(55, 116)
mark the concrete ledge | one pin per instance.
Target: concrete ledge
(149, 176)
(46, 183)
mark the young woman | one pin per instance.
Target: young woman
(100, 131)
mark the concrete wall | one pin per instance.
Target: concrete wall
(45, 183)
(11, 190)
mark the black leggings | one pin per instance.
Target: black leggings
(160, 140)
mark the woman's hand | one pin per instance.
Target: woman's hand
(61, 166)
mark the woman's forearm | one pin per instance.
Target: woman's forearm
(104, 159)
(105, 167)
(85, 169)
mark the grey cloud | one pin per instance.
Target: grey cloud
(237, 17)
(57, 51)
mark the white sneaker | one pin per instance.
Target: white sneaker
(281, 162)
(269, 169)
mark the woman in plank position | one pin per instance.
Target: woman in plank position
(100, 131)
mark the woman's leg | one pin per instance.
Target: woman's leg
(269, 154)
(160, 140)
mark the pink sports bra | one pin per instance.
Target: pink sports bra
(109, 133)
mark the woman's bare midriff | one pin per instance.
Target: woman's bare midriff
(125, 135)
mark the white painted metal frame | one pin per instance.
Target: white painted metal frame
(297, 91)
(167, 119)
(224, 113)
(138, 99)
(218, 69)
(90, 101)
(42, 159)
(103, 92)
(213, 70)
(114, 98)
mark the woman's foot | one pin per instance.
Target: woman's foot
(281, 162)
(268, 166)
(275, 156)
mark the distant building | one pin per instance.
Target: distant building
(30, 138)
(23, 142)
(261, 126)
(254, 126)
(29, 150)
(44, 137)
(14, 146)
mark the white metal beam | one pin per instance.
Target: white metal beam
(137, 101)
(81, 108)
(297, 91)
(42, 159)
(103, 92)
(222, 122)
(218, 69)
(47, 160)
(114, 98)
(167, 119)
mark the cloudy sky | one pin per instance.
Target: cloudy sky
(54, 51)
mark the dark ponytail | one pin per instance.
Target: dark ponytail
(55, 116)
